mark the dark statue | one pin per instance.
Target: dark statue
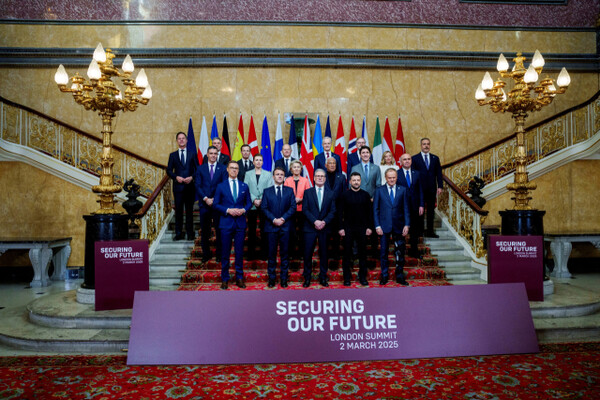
(132, 205)
(475, 186)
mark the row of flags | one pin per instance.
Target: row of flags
(310, 147)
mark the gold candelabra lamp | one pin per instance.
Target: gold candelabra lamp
(101, 94)
(519, 101)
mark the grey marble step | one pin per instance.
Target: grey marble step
(462, 273)
(173, 258)
(175, 247)
(165, 283)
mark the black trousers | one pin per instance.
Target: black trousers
(399, 249)
(415, 232)
(209, 218)
(257, 249)
(185, 200)
(310, 239)
(430, 199)
(358, 236)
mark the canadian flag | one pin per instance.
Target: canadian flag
(340, 146)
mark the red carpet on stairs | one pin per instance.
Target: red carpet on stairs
(564, 371)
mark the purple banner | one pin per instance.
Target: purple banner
(329, 325)
(517, 259)
(121, 270)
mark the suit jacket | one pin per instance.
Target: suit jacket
(274, 208)
(281, 163)
(354, 159)
(206, 187)
(243, 170)
(320, 162)
(339, 184)
(310, 209)
(303, 184)
(224, 200)
(175, 168)
(415, 191)
(371, 182)
(256, 190)
(432, 177)
(222, 159)
(391, 217)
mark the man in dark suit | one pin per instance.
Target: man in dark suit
(232, 201)
(279, 205)
(392, 218)
(321, 158)
(222, 159)
(411, 180)
(245, 163)
(336, 181)
(354, 158)
(430, 168)
(318, 208)
(208, 176)
(286, 161)
(355, 219)
(181, 168)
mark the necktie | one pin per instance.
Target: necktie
(408, 178)
(392, 194)
(320, 197)
(212, 171)
(182, 158)
(234, 191)
(327, 156)
(246, 165)
(287, 164)
(367, 171)
(427, 161)
(279, 193)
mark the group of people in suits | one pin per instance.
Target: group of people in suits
(383, 205)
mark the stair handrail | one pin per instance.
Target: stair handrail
(543, 138)
(464, 216)
(27, 127)
(60, 140)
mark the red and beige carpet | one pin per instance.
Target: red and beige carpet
(564, 371)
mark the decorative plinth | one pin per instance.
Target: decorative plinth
(100, 227)
(523, 222)
(548, 287)
(86, 296)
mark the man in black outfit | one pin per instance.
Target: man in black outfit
(430, 169)
(181, 168)
(355, 219)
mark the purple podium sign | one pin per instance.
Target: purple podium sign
(121, 270)
(517, 259)
(329, 325)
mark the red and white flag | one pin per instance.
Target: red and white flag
(252, 141)
(352, 139)
(340, 145)
(203, 142)
(306, 153)
(388, 145)
(400, 148)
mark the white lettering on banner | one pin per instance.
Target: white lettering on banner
(347, 319)
(519, 248)
(125, 254)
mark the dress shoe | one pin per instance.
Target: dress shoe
(306, 283)
(400, 280)
(271, 283)
(383, 281)
(347, 283)
(284, 283)
(191, 237)
(224, 285)
(179, 237)
(364, 282)
(240, 283)
(323, 282)
(432, 235)
(205, 259)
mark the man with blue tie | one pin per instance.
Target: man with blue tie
(318, 208)
(430, 168)
(279, 205)
(181, 168)
(207, 178)
(411, 180)
(392, 218)
(232, 201)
